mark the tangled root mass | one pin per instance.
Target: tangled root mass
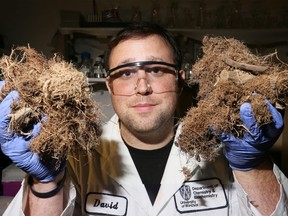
(228, 74)
(54, 94)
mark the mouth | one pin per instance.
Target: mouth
(143, 107)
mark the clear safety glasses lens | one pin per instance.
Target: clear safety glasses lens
(156, 77)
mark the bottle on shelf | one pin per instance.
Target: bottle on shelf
(97, 68)
(86, 64)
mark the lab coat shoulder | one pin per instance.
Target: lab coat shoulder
(110, 171)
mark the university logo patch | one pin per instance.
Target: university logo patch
(200, 195)
(185, 192)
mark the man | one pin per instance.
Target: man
(137, 167)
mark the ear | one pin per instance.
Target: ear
(181, 80)
(182, 74)
(107, 81)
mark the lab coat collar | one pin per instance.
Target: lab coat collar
(119, 165)
(117, 157)
(173, 177)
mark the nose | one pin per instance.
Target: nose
(142, 86)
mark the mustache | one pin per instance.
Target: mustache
(143, 99)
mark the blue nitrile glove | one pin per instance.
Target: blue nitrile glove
(16, 147)
(1, 84)
(250, 151)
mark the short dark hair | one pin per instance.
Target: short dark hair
(142, 30)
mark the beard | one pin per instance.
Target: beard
(145, 123)
(148, 128)
(150, 124)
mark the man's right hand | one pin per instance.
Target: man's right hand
(16, 146)
(251, 150)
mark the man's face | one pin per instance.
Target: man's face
(146, 106)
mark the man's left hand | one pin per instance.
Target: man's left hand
(250, 151)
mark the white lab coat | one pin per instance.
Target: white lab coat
(107, 183)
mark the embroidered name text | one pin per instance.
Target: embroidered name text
(110, 205)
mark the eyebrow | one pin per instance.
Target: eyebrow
(153, 58)
(126, 61)
(150, 58)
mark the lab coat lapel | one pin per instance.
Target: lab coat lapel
(120, 166)
(173, 177)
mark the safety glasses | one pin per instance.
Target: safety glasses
(159, 77)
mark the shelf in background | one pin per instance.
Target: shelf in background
(92, 81)
(252, 36)
(99, 32)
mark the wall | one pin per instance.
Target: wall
(35, 22)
